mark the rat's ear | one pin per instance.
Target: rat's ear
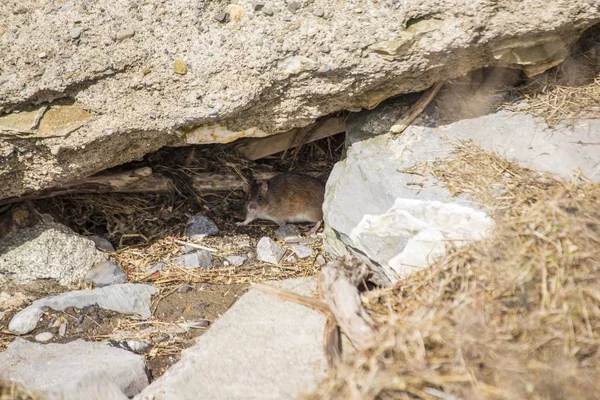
(263, 187)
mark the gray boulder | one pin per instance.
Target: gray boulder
(140, 82)
(128, 298)
(263, 347)
(398, 222)
(47, 251)
(200, 226)
(67, 371)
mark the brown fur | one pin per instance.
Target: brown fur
(286, 198)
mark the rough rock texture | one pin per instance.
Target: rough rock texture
(133, 77)
(269, 251)
(127, 298)
(47, 250)
(261, 348)
(400, 221)
(63, 370)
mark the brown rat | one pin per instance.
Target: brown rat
(286, 198)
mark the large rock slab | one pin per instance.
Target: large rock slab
(67, 371)
(134, 78)
(47, 251)
(127, 298)
(386, 216)
(261, 348)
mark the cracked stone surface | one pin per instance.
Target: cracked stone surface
(122, 79)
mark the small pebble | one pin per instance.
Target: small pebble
(319, 13)
(222, 17)
(324, 48)
(179, 67)
(302, 251)
(294, 6)
(269, 251)
(152, 114)
(75, 33)
(146, 70)
(101, 243)
(267, 11)
(287, 232)
(137, 346)
(199, 226)
(236, 261)
(194, 325)
(258, 5)
(198, 259)
(44, 336)
(43, 55)
(3, 80)
(184, 288)
(106, 273)
(125, 34)
(62, 330)
(155, 268)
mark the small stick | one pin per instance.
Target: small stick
(416, 109)
(313, 303)
(196, 246)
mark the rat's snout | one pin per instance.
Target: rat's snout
(252, 207)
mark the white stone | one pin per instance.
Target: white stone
(263, 347)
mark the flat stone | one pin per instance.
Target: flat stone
(258, 5)
(267, 11)
(47, 251)
(319, 13)
(44, 336)
(236, 261)
(294, 6)
(197, 259)
(106, 273)
(127, 298)
(59, 369)
(263, 347)
(102, 243)
(3, 80)
(287, 232)
(126, 33)
(302, 251)
(320, 260)
(269, 251)
(324, 48)
(199, 226)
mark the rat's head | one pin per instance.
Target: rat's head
(257, 198)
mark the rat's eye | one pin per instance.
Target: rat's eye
(259, 198)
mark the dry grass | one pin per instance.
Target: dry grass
(515, 317)
(14, 391)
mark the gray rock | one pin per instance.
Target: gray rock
(198, 259)
(200, 226)
(127, 298)
(57, 370)
(194, 325)
(267, 11)
(44, 336)
(3, 80)
(302, 251)
(126, 33)
(269, 251)
(47, 251)
(294, 6)
(400, 62)
(222, 17)
(102, 244)
(273, 348)
(106, 273)
(76, 33)
(62, 329)
(287, 232)
(258, 5)
(154, 268)
(319, 13)
(236, 261)
(137, 346)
